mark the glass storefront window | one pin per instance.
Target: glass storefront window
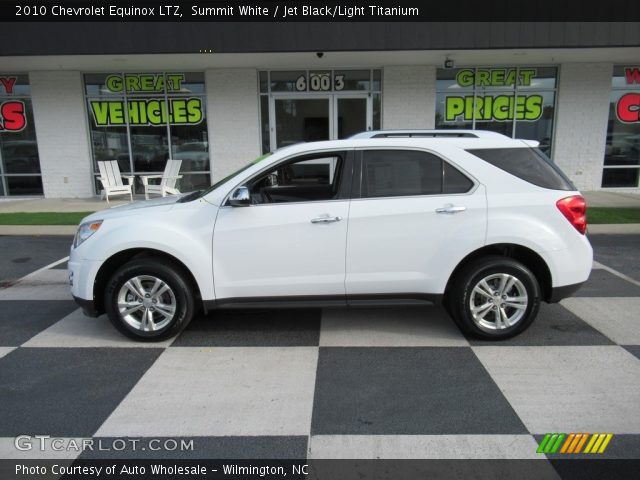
(143, 119)
(19, 159)
(515, 101)
(622, 150)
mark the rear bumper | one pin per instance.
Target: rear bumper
(88, 306)
(558, 293)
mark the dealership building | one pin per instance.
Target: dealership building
(217, 95)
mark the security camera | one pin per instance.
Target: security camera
(448, 63)
(320, 54)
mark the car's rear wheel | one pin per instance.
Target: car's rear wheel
(494, 298)
(149, 299)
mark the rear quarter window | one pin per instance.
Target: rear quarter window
(528, 164)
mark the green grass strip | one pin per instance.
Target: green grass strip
(596, 215)
(42, 218)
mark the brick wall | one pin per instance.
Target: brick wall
(62, 133)
(581, 121)
(232, 119)
(409, 97)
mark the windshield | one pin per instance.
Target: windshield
(202, 193)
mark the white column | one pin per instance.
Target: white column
(581, 121)
(233, 119)
(409, 97)
(62, 133)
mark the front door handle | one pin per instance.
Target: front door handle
(450, 209)
(326, 219)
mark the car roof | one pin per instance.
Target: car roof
(463, 142)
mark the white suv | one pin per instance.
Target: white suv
(483, 223)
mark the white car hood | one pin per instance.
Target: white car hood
(127, 208)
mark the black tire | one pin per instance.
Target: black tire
(169, 273)
(460, 297)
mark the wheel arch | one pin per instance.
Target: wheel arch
(525, 255)
(115, 261)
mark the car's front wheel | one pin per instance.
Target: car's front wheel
(494, 298)
(149, 299)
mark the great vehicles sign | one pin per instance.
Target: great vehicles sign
(498, 107)
(141, 109)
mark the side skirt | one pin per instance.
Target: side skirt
(325, 301)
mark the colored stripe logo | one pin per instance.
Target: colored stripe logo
(554, 443)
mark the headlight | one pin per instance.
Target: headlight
(85, 231)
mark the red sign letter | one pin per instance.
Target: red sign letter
(13, 116)
(8, 83)
(628, 108)
(632, 75)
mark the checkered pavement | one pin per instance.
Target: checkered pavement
(334, 383)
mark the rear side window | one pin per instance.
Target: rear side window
(528, 164)
(455, 181)
(397, 173)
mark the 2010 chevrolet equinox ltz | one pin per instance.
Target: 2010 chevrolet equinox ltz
(483, 223)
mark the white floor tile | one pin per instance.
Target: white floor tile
(568, 389)
(78, 330)
(389, 327)
(36, 449)
(221, 391)
(49, 284)
(617, 317)
(5, 350)
(423, 447)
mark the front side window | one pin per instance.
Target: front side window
(306, 179)
(398, 173)
(143, 119)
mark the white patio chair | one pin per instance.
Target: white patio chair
(167, 183)
(111, 180)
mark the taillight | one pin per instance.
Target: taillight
(575, 209)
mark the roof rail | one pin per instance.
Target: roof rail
(427, 134)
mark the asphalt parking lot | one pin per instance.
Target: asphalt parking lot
(332, 383)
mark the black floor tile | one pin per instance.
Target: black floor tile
(385, 391)
(20, 320)
(605, 284)
(66, 392)
(633, 349)
(24, 254)
(283, 447)
(252, 328)
(554, 325)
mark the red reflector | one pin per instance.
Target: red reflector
(575, 210)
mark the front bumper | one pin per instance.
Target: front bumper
(88, 306)
(558, 293)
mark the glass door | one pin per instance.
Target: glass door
(311, 118)
(352, 115)
(300, 119)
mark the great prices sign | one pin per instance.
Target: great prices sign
(153, 111)
(486, 106)
(12, 112)
(628, 106)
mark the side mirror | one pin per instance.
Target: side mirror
(240, 197)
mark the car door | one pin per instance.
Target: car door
(415, 218)
(290, 242)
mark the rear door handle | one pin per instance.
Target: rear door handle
(326, 219)
(450, 209)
